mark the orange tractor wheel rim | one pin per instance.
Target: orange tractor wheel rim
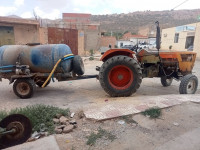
(120, 77)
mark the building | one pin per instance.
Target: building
(90, 31)
(130, 39)
(18, 31)
(108, 41)
(76, 18)
(181, 38)
(92, 37)
(139, 39)
(149, 31)
(72, 37)
(23, 31)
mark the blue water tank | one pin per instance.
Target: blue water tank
(40, 58)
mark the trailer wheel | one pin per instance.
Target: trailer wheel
(189, 84)
(41, 82)
(22, 130)
(78, 66)
(165, 81)
(120, 76)
(24, 88)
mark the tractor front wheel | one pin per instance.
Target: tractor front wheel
(120, 76)
(189, 84)
(166, 81)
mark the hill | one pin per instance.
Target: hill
(141, 20)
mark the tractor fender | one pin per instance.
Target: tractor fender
(114, 52)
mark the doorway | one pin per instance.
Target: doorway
(7, 35)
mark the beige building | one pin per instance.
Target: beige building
(14, 31)
(81, 21)
(107, 41)
(182, 38)
(18, 31)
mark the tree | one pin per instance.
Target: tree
(35, 15)
(126, 32)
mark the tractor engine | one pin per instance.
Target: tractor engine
(150, 70)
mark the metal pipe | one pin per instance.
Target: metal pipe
(7, 132)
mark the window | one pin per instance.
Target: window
(176, 37)
(121, 44)
(189, 41)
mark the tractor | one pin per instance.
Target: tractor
(123, 70)
(120, 75)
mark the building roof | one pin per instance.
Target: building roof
(123, 40)
(129, 35)
(80, 15)
(18, 21)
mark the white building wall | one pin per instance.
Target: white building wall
(197, 40)
(124, 43)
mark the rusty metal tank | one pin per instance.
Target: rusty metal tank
(40, 58)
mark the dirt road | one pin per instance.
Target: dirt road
(78, 94)
(175, 123)
(166, 133)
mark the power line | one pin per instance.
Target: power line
(180, 4)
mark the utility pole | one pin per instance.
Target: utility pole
(179, 5)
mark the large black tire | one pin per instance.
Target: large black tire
(120, 76)
(23, 129)
(78, 66)
(166, 81)
(24, 88)
(189, 84)
(41, 82)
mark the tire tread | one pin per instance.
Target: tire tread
(32, 85)
(184, 83)
(124, 60)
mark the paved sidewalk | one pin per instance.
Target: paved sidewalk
(46, 143)
(115, 107)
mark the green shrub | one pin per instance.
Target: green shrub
(91, 52)
(152, 112)
(91, 58)
(101, 133)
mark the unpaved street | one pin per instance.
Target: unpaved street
(81, 93)
(149, 134)
(177, 128)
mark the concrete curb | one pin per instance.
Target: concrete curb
(46, 143)
(116, 108)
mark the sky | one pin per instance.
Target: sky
(53, 9)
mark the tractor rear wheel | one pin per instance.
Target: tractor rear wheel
(120, 76)
(24, 88)
(189, 84)
(166, 81)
